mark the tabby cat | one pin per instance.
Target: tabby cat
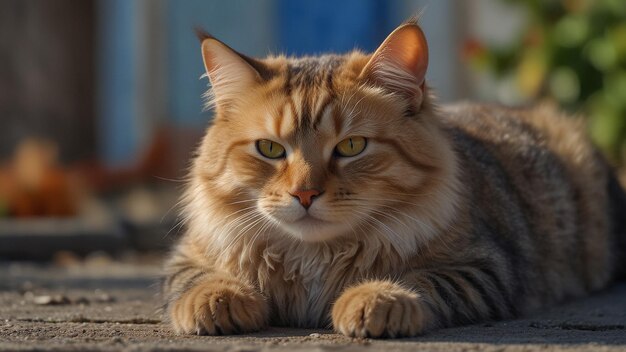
(333, 191)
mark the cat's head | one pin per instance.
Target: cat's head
(329, 146)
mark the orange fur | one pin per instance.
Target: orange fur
(449, 215)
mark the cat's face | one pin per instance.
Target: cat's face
(322, 147)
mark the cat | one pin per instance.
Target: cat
(333, 191)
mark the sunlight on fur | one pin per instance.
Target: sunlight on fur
(333, 192)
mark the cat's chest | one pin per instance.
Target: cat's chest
(303, 295)
(302, 281)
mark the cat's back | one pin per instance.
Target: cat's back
(531, 144)
(538, 140)
(522, 130)
(535, 177)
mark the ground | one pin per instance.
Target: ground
(101, 305)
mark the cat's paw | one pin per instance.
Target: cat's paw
(378, 309)
(219, 306)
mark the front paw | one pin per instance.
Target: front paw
(219, 306)
(378, 309)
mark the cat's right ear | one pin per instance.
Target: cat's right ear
(230, 72)
(399, 64)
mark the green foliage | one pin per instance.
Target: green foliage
(573, 52)
(4, 209)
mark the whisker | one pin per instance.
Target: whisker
(179, 224)
(170, 179)
(251, 222)
(243, 201)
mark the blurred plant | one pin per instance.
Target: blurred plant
(4, 208)
(574, 52)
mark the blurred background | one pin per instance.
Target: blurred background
(100, 100)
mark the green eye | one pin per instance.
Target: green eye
(270, 149)
(351, 146)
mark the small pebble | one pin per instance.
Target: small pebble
(50, 300)
(316, 335)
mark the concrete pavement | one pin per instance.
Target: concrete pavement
(110, 306)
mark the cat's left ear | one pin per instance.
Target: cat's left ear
(399, 64)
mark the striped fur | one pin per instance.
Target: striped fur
(451, 215)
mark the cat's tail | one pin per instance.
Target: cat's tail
(617, 197)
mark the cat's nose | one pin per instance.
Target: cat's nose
(306, 196)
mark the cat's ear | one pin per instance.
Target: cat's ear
(230, 72)
(399, 64)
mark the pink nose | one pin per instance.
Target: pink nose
(306, 196)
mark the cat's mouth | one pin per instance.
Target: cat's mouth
(308, 218)
(311, 229)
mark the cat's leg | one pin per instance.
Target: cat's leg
(203, 301)
(420, 301)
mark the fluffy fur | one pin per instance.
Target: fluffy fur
(450, 215)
